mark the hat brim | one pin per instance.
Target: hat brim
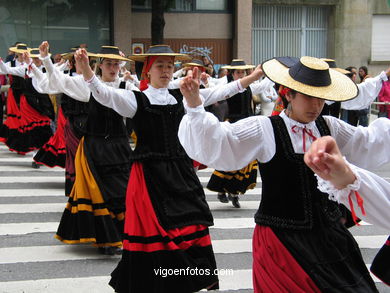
(342, 88)
(242, 67)
(142, 57)
(68, 56)
(111, 56)
(193, 64)
(37, 55)
(16, 50)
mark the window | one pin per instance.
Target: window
(187, 5)
(380, 42)
(64, 24)
(288, 31)
(211, 5)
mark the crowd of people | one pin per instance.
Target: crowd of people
(131, 133)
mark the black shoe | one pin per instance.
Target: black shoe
(35, 165)
(222, 197)
(234, 200)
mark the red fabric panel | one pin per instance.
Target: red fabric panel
(141, 220)
(274, 268)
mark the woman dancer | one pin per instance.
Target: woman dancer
(167, 216)
(95, 210)
(299, 243)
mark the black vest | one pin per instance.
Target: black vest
(104, 121)
(40, 102)
(17, 84)
(77, 114)
(161, 142)
(290, 198)
(240, 105)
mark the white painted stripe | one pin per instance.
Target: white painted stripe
(239, 280)
(69, 285)
(233, 223)
(234, 280)
(48, 253)
(31, 192)
(16, 159)
(376, 280)
(26, 228)
(33, 208)
(220, 223)
(27, 168)
(32, 179)
(372, 241)
(73, 252)
(229, 279)
(59, 207)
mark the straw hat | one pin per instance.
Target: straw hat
(159, 50)
(69, 55)
(110, 52)
(238, 64)
(34, 53)
(195, 62)
(20, 48)
(332, 64)
(310, 76)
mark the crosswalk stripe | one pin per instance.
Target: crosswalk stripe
(29, 169)
(241, 279)
(238, 280)
(31, 192)
(234, 280)
(32, 179)
(18, 159)
(59, 207)
(76, 252)
(26, 228)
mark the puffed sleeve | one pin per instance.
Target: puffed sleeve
(73, 87)
(223, 145)
(121, 100)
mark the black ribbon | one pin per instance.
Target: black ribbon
(304, 74)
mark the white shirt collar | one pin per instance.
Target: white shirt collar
(160, 96)
(291, 122)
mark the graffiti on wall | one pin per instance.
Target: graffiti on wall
(196, 51)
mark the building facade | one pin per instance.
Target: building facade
(353, 32)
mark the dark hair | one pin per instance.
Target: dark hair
(364, 68)
(284, 100)
(349, 68)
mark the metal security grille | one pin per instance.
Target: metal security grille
(288, 31)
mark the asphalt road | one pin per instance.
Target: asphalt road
(31, 260)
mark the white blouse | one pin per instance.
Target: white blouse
(369, 147)
(124, 102)
(74, 86)
(225, 146)
(368, 91)
(374, 190)
(39, 79)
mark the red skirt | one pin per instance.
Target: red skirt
(53, 153)
(150, 249)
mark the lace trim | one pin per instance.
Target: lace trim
(338, 194)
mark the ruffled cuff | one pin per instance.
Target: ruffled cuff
(193, 111)
(339, 195)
